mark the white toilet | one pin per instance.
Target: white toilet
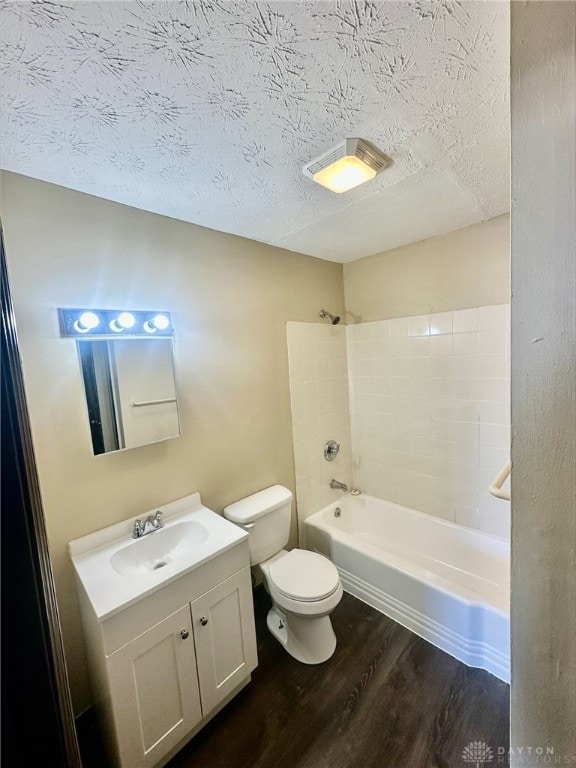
(304, 586)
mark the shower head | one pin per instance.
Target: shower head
(334, 319)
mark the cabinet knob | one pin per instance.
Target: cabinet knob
(184, 634)
(203, 621)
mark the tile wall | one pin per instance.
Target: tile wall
(430, 412)
(320, 412)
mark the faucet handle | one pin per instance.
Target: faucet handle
(158, 517)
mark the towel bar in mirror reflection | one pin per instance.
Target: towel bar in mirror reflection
(152, 402)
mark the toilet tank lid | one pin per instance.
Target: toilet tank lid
(252, 507)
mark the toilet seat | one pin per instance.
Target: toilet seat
(304, 576)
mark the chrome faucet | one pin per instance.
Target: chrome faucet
(338, 486)
(149, 525)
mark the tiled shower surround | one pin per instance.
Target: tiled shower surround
(429, 412)
(320, 411)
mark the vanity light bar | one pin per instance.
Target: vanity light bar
(114, 323)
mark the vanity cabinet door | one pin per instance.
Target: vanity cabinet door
(225, 636)
(154, 691)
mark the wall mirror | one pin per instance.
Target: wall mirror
(130, 392)
(127, 367)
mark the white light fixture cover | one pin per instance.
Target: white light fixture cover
(345, 166)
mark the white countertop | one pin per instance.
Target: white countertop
(109, 591)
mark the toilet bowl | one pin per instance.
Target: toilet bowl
(304, 586)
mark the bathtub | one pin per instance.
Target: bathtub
(446, 583)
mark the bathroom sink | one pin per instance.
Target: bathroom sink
(117, 570)
(158, 549)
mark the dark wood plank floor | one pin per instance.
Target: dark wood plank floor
(386, 699)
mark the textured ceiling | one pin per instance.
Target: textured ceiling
(205, 110)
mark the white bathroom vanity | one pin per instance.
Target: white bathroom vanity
(169, 627)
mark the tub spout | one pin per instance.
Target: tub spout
(338, 486)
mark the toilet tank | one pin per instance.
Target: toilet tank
(266, 517)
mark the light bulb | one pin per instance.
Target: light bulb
(124, 320)
(86, 322)
(161, 322)
(157, 323)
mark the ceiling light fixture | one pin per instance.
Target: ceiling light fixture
(345, 166)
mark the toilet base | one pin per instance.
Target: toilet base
(309, 640)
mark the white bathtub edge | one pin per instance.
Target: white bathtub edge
(472, 653)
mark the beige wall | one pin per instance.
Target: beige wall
(230, 299)
(543, 99)
(466, 268)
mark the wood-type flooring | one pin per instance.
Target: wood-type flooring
(386, 699)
